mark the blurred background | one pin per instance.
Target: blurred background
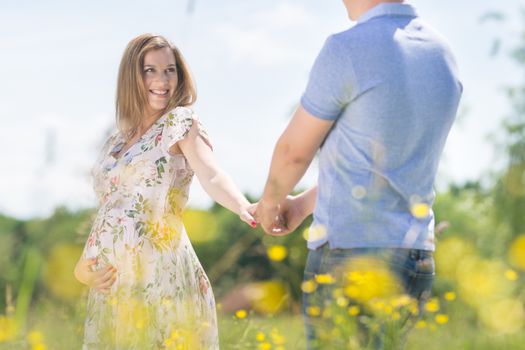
(59, 62)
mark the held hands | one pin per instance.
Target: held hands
(100, 280)
(279, 220)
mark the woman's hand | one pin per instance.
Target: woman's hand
(100, 280)
(246, 214)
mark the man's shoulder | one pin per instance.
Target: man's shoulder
(359, 32)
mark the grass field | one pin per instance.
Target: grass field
(60, 328)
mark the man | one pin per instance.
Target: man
(380, 101)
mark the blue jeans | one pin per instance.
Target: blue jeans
(364, 298)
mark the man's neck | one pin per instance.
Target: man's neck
(357, 8)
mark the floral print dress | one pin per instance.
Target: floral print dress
(161, 298)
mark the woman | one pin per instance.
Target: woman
(148, 289)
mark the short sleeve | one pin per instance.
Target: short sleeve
(329, 85)
(177, 126)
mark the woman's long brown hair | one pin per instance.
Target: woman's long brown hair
(132, 96)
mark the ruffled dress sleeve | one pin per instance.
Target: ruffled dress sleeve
(177, 126)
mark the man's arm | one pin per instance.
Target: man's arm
(292, 155)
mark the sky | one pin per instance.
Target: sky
(250, 60)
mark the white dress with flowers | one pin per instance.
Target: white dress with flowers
(161, 298)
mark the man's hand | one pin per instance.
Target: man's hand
(292, 214)
(100, 280)
(269, 218)
(282, 219)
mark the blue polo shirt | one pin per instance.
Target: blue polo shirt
(390, 84)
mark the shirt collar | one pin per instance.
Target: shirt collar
(388, 9)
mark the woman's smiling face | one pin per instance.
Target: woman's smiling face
(159, 74)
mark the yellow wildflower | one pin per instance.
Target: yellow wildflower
(260, 336)
(277, 252)
(313, 310)
(35, 337)
(421, 324)
(449, 296)
(432, 305)
(264, 346)
(369, 278)
(308, 286)
(354, 310)
(441, 318)
(324, 279)
(516, 252)
(342, 301)
(8, 328)
(511, 275)
(241, 314)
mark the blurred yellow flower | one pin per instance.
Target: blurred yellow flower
(511, 275)
(313, 310)
(388, 309)
(241, 314)
(308, 286)
(268, 297)
(324, 279)
(264, 346)
(132, 315)
(420, 210)
(182, 339)
(354, 310)
(449, 296)
(451, 251)
(441, 318)
(421, 324)
(516, 252)
(260, 336)
(432, 305)
(504, 316)
(401, 301)
(368, 278)
(277, 252)
(8, 328)
(277, 338)
(35, 337)
(482, 281)
(342, 301)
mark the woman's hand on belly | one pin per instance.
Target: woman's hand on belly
(100, 280)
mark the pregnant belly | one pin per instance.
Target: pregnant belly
(111, 236)
(119, 240)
